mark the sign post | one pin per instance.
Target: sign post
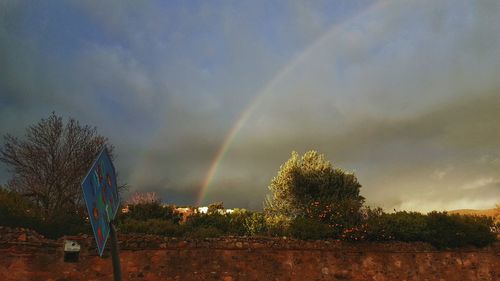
(100, 191)
(115, 257)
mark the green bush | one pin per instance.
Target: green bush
(154, 210)
(64, 224)
(401, 226)
(451, 231)
(437, 228)
(307, 229)
(16, 211)
(278, 225)
(227, 224)
(238, 222)
(255, 224)
(215, 220)
(407, 226)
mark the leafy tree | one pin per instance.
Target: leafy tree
(310, 187)
(49, 163)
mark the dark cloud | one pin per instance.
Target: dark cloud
(405, 95)
(397, 161)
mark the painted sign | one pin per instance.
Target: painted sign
(101, 197)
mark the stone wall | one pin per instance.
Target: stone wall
(25, 255)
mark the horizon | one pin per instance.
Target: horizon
(204, 102)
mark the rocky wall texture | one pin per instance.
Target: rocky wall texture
(25, 255)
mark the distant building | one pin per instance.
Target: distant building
(204, 210)
(185, 213)
(125, 209)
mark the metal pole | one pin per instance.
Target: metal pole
(117, 272)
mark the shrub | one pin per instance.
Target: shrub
(401, 226)
(278, 225)
(450, 231)
(237, 222)
(16, 211)
(255, 224)
(407, 226)
(215, 220)
(154, 210)
(308, 229)
(63, 224)
(440, 229)
(375, 226)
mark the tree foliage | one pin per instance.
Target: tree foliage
(49, 163)
(310, 187)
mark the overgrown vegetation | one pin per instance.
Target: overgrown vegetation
(17, 211)
(438, 228)
(310, 199)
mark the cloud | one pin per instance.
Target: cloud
(396, 92)
(401, 107)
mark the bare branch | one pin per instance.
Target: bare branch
(50, 162)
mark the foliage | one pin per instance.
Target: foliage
(150, 217)
(238, 223)
(17, 211)
(401, 226)
(310, 187)
(442, 230)
(221, 222)
(63, 224)
(145, 211)
(49, 163)
(308, 229)
(455, 230)
(255, 224)
(278, 225)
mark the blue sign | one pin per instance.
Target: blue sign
(101, 197)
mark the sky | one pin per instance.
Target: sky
(204, 100)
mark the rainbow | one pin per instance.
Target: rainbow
(250, 108)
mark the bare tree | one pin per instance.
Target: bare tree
(49, 163)
(143, 198)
